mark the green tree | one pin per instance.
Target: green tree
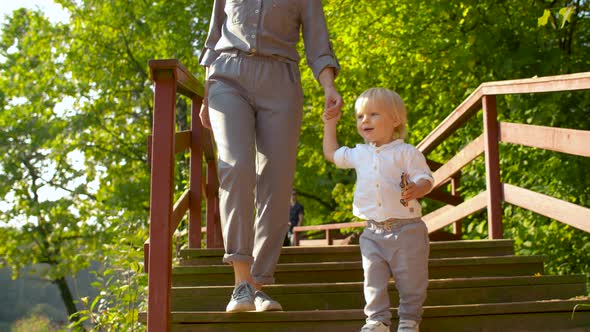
(76, 103)
(46, 189)
(435, 54)
(76, 111)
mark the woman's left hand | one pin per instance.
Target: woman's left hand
(332, 102)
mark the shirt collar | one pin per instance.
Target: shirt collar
(385, 146)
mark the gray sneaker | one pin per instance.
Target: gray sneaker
(406, 325)
(264, 302)
(375, 327)
(242, 298)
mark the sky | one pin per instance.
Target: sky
(51, 9)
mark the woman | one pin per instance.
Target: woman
(254, 105)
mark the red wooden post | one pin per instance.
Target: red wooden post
(457, 225)
(329, 239)
(161, 200)
(295, 238)
(214, 236)
(196, 176)
(492, 160)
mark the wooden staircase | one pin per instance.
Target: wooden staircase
(474, 286)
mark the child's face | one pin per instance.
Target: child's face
(376, 125)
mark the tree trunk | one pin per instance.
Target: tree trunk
(67, 298)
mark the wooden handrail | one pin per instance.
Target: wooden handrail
(565, 212)
(557, 139)
(474, 149)
(570, 141)
(472, 104)
(186, 83)
(172, 78)
(563, 140)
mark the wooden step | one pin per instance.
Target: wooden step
(336, 296)
(442, 249)
(555, 315)
(220, 275)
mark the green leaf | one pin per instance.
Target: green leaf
(543, 20)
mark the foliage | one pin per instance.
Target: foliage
(76, 103)
(36, 323)
(435, 55)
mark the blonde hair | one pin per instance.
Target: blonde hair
(388, 100)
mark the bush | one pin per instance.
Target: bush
(34, 323)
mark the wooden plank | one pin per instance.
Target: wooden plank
(182, 141)
(433, 165)
(564, 140)
(208, 145)
(187, 84)
(565, 212)
(492, 162)
(448, 214)
(149, 150)
(570, 82)
(214, 235)
(453, 121)
(458, 225)
(146, 255)
(558, 83)
(455, 164)
(179, 210)
(196, 176)
(161, 198)
(445, 197)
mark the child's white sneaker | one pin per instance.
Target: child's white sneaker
(242, 298)
(375, 327)
(406, 325)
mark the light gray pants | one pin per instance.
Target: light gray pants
(401, 252)
(255, 107)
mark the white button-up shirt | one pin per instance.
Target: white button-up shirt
(378, 172)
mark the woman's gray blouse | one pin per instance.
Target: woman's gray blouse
(270, 28)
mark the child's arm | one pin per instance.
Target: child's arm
(416, 190)
(330, 142)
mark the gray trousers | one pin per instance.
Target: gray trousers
(401, 252)
(255, 108)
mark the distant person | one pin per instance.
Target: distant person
(391, 175)
(296, 214)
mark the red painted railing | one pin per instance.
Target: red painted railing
(172, 79)
(575, 142)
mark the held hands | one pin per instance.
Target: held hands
(332, 106)
(332, 99)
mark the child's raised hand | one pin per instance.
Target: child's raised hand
(331, 115)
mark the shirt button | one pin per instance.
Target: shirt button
(253, 36)
(257, 11)
(377, 185)
(379, 204)
(253, 50)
